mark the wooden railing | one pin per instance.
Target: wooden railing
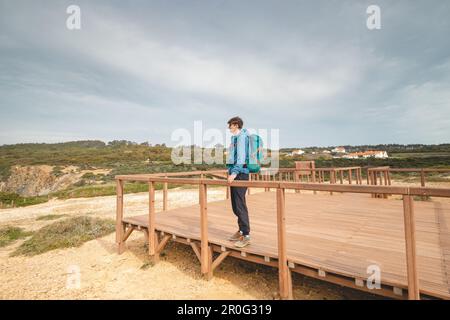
(376, 175)
(316, 175)
(281, 186)
(382, 175)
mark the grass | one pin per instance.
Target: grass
(14, 200)
(147, 265)
(8, 200)
(419, 154)
(51, 217)
(422, 198)
(105, 190)
(10, 234)
(67, 233)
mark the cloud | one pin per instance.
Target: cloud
(311, 69)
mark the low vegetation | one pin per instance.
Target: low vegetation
(10, 234)
(72, 232)
(51, 217)
(8, 199)
(127, 157)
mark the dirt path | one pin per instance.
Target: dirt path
(103, 274)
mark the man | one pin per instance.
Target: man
(237, 170)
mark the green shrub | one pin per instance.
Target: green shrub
(51, 217)
(15, 200)
(67, 233)
(10, 234)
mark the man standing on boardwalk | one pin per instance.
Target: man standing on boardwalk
(237, 170)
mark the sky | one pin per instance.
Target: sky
(140, 70)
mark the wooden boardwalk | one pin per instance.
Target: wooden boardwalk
(334, 238)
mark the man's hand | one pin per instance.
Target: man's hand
(231, 178)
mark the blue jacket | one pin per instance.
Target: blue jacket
(237, 153)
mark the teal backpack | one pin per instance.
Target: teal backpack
(254, 153)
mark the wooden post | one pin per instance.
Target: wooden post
(205, 250)
(264, 178)
(373, 181)
(422, 177)
(165, 195)
(350, 176)
(313, 176)
(410, 242)
(341, 176)
(283, 268)
(332, 179)
(152, 236)
(296, 179)
(120, 228)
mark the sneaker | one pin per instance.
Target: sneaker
(243, 242)
(236, 237)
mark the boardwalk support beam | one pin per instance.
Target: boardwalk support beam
(205, 249)
(152, 235)
(120, 226)
(283, 268)
(410, 242)
(219, 259)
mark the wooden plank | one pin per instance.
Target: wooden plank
(340, 235)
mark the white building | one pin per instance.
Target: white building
(367, 154)
(298, 152)
(339, 150)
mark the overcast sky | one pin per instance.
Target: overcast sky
(138, 70)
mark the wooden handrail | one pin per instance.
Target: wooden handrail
(374, 172)
(419, 191)
(408, 169)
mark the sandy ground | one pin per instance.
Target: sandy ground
(96, 271)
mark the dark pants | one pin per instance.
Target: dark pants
(239, 205)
